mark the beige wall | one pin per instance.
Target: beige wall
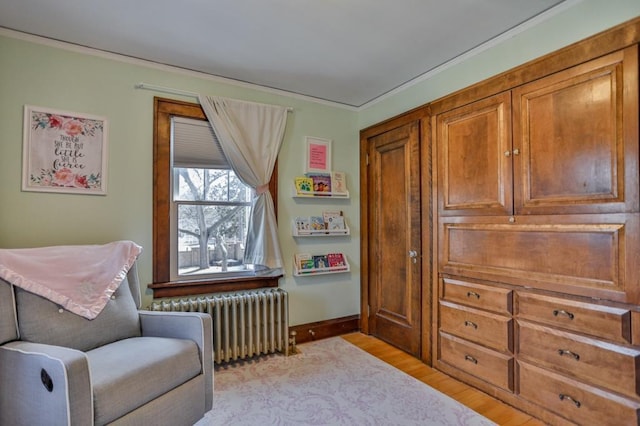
(51, 75)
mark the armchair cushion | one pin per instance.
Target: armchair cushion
(43, 321)
(129, 373)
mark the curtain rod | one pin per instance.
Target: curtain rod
(146, 86)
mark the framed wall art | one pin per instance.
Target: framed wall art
(318, 155)
(64, 152)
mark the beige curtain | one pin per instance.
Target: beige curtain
(250, 135)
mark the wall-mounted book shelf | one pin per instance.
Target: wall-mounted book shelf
(330, 223)
(325, 185)
(321, 233)
(318, 194)
(318, 264)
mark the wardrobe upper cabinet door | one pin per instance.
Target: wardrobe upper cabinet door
(576, 133)
(473, 144)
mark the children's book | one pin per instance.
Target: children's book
(317, 223)
(338, 183)
(303, 224)
(304, 261)
(333, 219)
(304, 185)
(307, 264)
(320, 261)
(336, 260)
(335, 223)
(327, 214)
(321, 182)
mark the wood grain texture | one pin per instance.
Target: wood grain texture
(576, 151)
(537, 189)
(475, 399)
(474, 158)
(394, 282)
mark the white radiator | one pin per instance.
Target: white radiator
(245, 323)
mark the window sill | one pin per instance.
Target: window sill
(190, 288)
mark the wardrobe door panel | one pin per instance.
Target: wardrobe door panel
(474, 149)
(584, 255)
(575, 152)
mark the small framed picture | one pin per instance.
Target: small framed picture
(64, 152)
(318, 155)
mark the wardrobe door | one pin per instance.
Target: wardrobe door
(576, 141)
(393, 233)
(474, 158)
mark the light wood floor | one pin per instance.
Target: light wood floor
(478, 401)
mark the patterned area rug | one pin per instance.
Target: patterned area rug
(331, 382)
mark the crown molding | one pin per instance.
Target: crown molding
(84, 50)
(567, 4)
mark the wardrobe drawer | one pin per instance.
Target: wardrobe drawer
(478, 326)
(491, 366)
(575, 401)
(597, 320)
(481, 296)
(587, 359)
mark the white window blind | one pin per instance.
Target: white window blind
(195, 144)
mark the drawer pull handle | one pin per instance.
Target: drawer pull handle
(473, 294)
(575, 356)
(557, 312)
(568, 398)
(470, 359)
(471, 324)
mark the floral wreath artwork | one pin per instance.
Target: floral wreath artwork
(64, 152)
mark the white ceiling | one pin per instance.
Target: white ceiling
(345, 51)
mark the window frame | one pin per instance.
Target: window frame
(162, 285)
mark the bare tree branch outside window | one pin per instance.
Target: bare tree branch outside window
(212, 220)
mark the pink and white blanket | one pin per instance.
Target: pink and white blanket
(80, 278)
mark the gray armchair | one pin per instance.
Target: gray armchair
(125, 367)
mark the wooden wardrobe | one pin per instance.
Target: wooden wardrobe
(536, 233)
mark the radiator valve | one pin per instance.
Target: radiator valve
(292, 343)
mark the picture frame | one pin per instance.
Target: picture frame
(64, 151)
(318, 158)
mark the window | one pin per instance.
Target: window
(201, 208)
(210, 206)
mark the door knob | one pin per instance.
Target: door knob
(413, 255)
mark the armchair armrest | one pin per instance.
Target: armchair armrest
(44, 384)
(194, 326)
